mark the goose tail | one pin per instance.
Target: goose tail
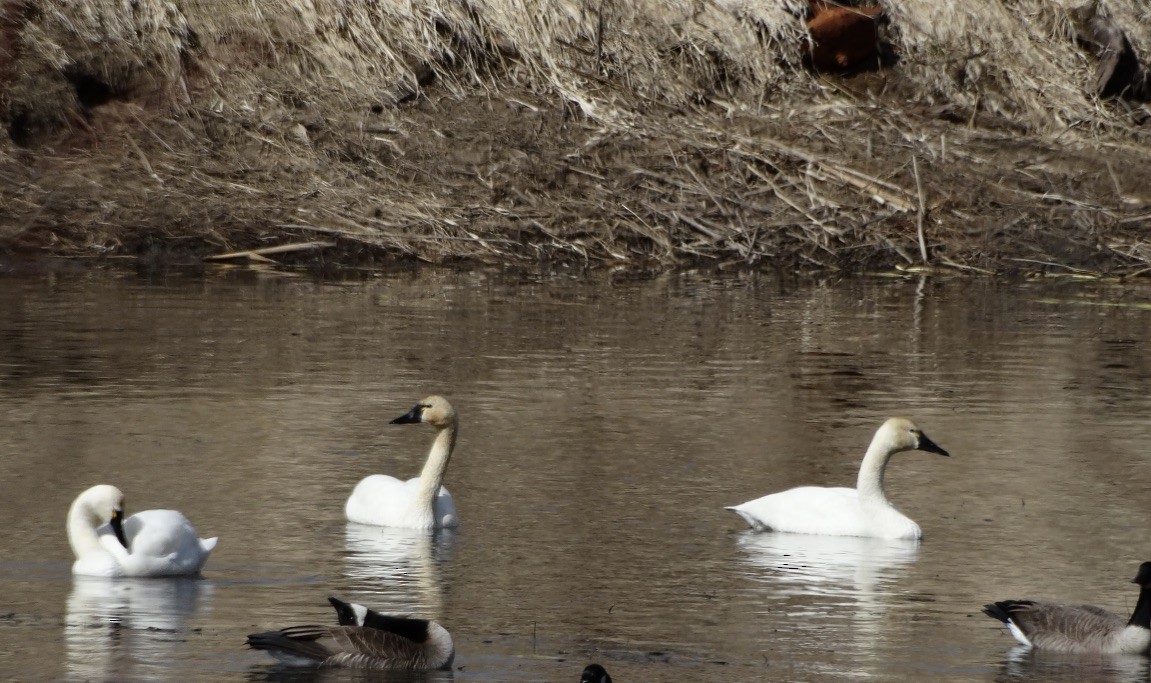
(208, 544)
(1004, 609)
(997, 610)
(294, 651)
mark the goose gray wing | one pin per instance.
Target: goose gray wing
(1066, 628)
(372, 648)
(1105, 614)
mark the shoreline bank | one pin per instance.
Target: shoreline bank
(473, 156)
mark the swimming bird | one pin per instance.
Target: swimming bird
(149, 543)
(365, 639)
(594, 673)
(1083, 629)
(355, 614)
(420, 503)
(861, 511)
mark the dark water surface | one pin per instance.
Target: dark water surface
(605, 423)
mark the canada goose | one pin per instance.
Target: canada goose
(861, 511)
(594, 673)
(355, 614)
(149, 543)
(365, 639)
(1080, 628)
(420, 503)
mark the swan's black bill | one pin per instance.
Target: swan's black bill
(926, 444)
(411, 417)
(117, 524)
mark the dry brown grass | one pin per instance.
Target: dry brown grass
(597, 131)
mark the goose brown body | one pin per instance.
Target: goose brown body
(1079, 628)
(365, 639)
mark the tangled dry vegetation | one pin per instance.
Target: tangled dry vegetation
(639, 132)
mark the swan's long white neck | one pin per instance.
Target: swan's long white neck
(432, 476)
(82, 524)
(871, 471)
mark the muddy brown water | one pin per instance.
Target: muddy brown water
(605, 424)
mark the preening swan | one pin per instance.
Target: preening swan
(365, 639)
(594, 673)
(861, 511)
(1080, 629)
(420, 503)
(149, 543)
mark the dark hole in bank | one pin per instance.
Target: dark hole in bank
(91, 91)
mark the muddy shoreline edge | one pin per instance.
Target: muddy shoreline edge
(472, 161)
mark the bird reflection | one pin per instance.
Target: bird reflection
(279, 673)
(836, 581)
(115, 626)
(832, 565)
(1026, 664)
(397, 570)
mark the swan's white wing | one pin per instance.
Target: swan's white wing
(160, 533)
(445, 510)
(161, 543)
(383, 500)
(807, 510)
(378, 499)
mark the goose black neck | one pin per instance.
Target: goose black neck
(1142, 614)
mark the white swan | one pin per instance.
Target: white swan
(861, 511)
(1082, 629)
(149, 543)
(420, 503)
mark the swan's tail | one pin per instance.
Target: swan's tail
(751, 521)
(207, 544)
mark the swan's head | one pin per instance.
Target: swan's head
(105, 503)
(434, 410)
(901, 434)
(594, 673)
(1143, 578)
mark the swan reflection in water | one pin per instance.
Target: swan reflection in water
(394, 570)
(119, 628)
(831, 565)
(847, 574)
(1024, 664)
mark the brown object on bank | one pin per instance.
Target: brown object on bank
(843, 38)
(1120, 73)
